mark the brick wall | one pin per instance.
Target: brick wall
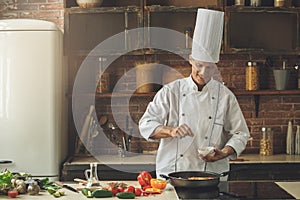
(274, 110)
(49, 10)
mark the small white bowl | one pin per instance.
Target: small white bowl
(206, 150)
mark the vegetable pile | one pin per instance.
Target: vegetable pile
(149, 186)
(13, 184)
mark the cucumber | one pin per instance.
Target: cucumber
(102, 193)
(125, 195)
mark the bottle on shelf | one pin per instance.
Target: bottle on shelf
(266, 142)
(252, 72)
(290, 142)
(297, 141)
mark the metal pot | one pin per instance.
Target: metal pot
(181, 179)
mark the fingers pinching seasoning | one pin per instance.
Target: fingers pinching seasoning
(183, 130)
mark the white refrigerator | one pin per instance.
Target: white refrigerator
(32, 97)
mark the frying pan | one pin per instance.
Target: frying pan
(180, 179)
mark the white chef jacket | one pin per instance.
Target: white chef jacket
(213, 115)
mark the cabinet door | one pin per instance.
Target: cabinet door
(262, 30)
(86, 29)
(174, 18)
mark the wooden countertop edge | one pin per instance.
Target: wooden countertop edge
(242, 159)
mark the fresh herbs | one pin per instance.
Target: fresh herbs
(5, 181)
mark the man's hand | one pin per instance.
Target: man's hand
(167, 132)
(218, 154)
(181, 131)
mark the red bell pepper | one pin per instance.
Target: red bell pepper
(144, 178)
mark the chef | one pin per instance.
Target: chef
(198, 112)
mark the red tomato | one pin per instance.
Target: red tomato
(144, 178)
(121, 189)
(113, 190)
(138, 192)
(129, 189)
(12, 193)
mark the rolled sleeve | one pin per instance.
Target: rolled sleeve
(155, 115)
(237, 129)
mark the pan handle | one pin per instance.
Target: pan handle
(232, 170)
(164, 176)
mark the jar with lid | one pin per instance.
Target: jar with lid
(266, 142)
(252, 80)
(239, 2)
(103, 85)
(279, 3)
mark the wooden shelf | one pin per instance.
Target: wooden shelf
(78, 10)
(158, 8)
(268, 92)
(144, 51)
(238, 93)
(110, 95)
(256, 94)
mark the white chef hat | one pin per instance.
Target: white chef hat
(208, 34)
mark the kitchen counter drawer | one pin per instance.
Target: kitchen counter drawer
(109, 167)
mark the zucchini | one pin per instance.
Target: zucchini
(125, 195)
(102, 193)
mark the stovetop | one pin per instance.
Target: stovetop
(236, 190)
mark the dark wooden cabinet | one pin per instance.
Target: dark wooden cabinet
(262, 30)
(266, 171)
(86, 28)
(249, 171)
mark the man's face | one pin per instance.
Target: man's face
(202, 71)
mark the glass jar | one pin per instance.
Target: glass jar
(252, 81)
(266, 142)
(279, 3)
(239, 2)
(103, 85)
(255, 3)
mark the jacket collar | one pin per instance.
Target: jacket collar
(211, 86)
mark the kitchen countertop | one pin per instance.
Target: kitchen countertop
(256, 158)
(168, 193)
(291, 187)
(226, 190)
(145, 159)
